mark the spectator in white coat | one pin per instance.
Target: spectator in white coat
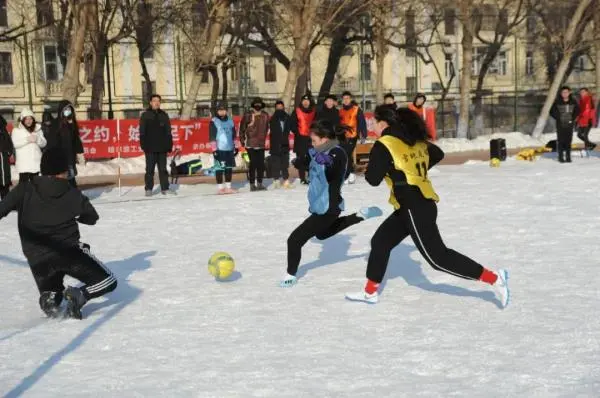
(28, 140)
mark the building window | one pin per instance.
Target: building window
(144, 30)
(410, 33)
(6, 71)
(234, 72)
(45, 15)
(487, 17)
(449, 65)
(3, 13)
(366, 67)
(529, 66)
(204, 78)
(145, 94)
(530, 24)
(7, 114)
(450, 21)
(199, 14)
(579, 64)
(52, 67)
(411, 85)
(270, 69)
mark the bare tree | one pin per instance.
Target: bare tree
(466, 8)
(83, 12)
(203, 41)
(569, 45)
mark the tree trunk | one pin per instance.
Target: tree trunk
(380, 63)
(336, 51)
(225, 91)
(145, 75)
(215, 28)
(465, 74)
(478, 100)
(214, 97)
(562, 68)
(71, 84)
(301, 87)
(98, 78)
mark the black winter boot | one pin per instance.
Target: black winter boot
(568, 156)
(75, 301)
(50, 303)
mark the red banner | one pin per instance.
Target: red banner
(102, 138)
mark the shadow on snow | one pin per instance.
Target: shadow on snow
(124, 295)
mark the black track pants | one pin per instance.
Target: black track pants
(322, 227)
(418, 222)
(256, 170)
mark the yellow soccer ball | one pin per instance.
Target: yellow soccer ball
(495, 162)
(221, 265)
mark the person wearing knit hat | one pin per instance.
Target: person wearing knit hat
(254, 129)
(300, 122)
(49, 210)
(28, 138)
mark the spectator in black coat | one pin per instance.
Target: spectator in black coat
(329, 112)
(156, 141)
(64, 134)
(390, 101)
(565, 111)
(6, 151)
(280, 145)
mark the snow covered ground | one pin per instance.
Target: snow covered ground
(169, 330)
(137, 165)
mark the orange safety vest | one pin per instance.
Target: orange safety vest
(350, 118)
(420, 111)
(304, 121)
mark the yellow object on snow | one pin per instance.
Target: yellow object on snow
(531, 154)
(495, 162)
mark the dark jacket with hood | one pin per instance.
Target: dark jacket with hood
(65, 135)
(155, 132)
(565, 112)
(381, 164)
(7, 149)
(279, 132)
(332, 115)
(49, 210)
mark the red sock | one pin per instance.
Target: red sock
(371, 287)
(488, 276)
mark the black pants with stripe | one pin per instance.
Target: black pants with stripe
(419, 222)
(320, 226)
(78, 263)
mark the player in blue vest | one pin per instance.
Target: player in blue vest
(222, 139)
(327, 163)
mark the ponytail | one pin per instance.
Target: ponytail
(325, 129)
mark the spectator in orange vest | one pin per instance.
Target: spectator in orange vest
(418, 105)
(586, 118)
(300, 122)
(353, 118)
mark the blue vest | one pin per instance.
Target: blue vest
(224, 134)
(318, 188)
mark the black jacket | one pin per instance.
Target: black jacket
(332, 115)
(49, 210)
(65, 135)
(279, 132)
(155, 131)
(382, 164)
(7, 149)
(565, 113)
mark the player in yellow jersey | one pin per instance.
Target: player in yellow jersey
(402, 157)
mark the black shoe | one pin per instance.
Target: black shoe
(75, 301)
(261, 187)
(304, 182)
(568, 157)
(50, 303)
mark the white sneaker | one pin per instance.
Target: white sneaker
(288, 281)
(363, 297)
(501, 287)
(351, 178)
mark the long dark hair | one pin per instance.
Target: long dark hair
(404, 124)
(325, 129)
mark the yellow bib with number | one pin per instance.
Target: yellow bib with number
(413, 161)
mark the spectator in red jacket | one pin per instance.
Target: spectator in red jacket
(587, 117)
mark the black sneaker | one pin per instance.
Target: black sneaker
(261, 187)
(75, 301)
(148, 194)
(50, 303)
(253, 188)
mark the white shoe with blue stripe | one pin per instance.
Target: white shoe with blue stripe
(363, 297)
(288, 281)
(369, 212)
(501, 287)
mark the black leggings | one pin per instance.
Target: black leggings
(320, 226)
(257, 165)
(583, 134)
(4, 190)
(420, 223)
(24, 177)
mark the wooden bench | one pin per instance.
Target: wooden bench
(361, 156)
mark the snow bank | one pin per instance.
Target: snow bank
(513, 140)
